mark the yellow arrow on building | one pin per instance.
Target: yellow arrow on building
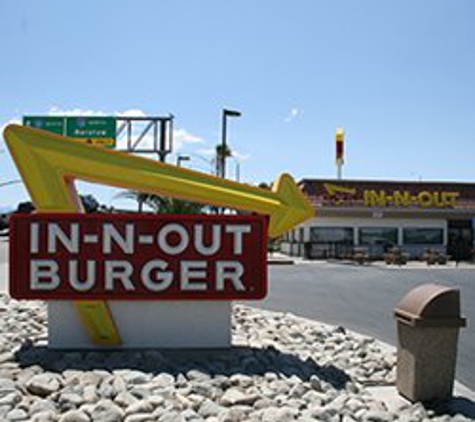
(49, 165)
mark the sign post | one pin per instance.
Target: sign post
(91, 280)
(153, 261)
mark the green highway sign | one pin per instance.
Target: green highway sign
(49, 123)
(94, 130)
(90, 127)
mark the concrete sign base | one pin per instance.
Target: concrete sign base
(147, 324)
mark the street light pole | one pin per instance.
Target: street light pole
(224, 146)
(222, 158)
(181, 158)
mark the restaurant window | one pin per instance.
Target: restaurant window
(378, 236)
(343, 235)
(423, 236)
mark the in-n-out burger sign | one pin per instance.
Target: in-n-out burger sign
(74, 256)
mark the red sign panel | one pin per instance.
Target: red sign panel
(147, 257)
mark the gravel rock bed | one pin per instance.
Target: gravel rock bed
(281, 368)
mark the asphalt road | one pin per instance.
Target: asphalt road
(359, 298)
(363, 299)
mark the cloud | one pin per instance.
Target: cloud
(240, 156)
(182, 137)
(133, 112)
(208, 152)
(57, 111)
(293, 114)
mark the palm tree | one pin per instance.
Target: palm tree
(140, 197)
(167, 205)
(221, 154)
(163, 204)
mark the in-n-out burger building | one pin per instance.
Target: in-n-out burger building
(377, 215)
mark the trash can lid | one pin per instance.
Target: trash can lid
(431, 305)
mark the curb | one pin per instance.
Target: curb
(280, 262)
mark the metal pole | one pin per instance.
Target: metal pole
(222, 157)
(155, 135)
(163, 139)
(339, 170)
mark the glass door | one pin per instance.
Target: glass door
(460, 242)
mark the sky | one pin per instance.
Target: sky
(397, 75)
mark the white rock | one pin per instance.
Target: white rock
(156, 400)
(75, 416)
(164, 380)
(377, 416)
(90, 394)
(209, 408)
(47, 416)
(141, 406)
(17, 415)
(135, 377)
(233, 397)
(243, 381)
(125, 399)
(71, 400)
(315, 383)
(106, 411)
(140, 417)
(42, 405)
(7, 384)
(232, 415)
(172, 417)
(10, 398)
(43, 384)
(282, 414)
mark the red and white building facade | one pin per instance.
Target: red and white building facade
(378, 215)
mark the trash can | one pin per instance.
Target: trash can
(428, 323)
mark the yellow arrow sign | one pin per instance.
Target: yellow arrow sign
(335, 189)
(50, 163)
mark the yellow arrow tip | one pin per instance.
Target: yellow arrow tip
(10, 130)
(296, 207)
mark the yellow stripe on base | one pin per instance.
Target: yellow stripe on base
(96, 317)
